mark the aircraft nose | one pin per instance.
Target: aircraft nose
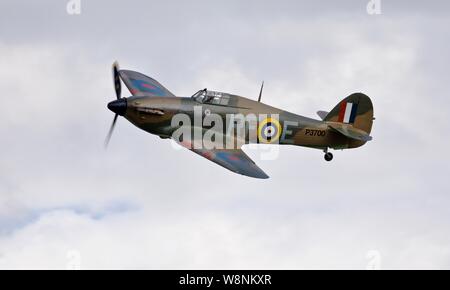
(118, 106)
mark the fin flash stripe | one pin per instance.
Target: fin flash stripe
(347, 112)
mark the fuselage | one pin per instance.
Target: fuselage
(156, 114)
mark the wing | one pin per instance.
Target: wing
(142, 85)
(232, 159)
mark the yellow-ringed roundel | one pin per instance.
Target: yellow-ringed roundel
(269, 130)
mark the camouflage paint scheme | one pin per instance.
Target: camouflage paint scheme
(151, 108)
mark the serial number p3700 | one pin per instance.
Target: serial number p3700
(314, 132)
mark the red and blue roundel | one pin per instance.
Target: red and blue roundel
(145, 86)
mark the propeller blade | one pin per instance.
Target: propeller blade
(117, 85)
(111, 129)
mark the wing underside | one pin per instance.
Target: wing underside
(232, 159)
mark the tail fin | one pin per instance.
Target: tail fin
(356, 109)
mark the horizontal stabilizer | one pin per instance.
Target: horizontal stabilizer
(322, 114)
(350, 132)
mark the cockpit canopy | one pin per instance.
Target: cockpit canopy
(211, 97)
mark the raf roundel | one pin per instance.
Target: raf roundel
(269, 130)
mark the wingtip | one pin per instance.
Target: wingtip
(259, 175)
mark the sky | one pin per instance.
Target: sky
(66, 203)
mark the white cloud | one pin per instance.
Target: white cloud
(142, 204)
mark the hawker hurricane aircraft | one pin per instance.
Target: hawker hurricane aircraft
(153, 108)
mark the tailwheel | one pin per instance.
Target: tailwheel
(328, 156)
